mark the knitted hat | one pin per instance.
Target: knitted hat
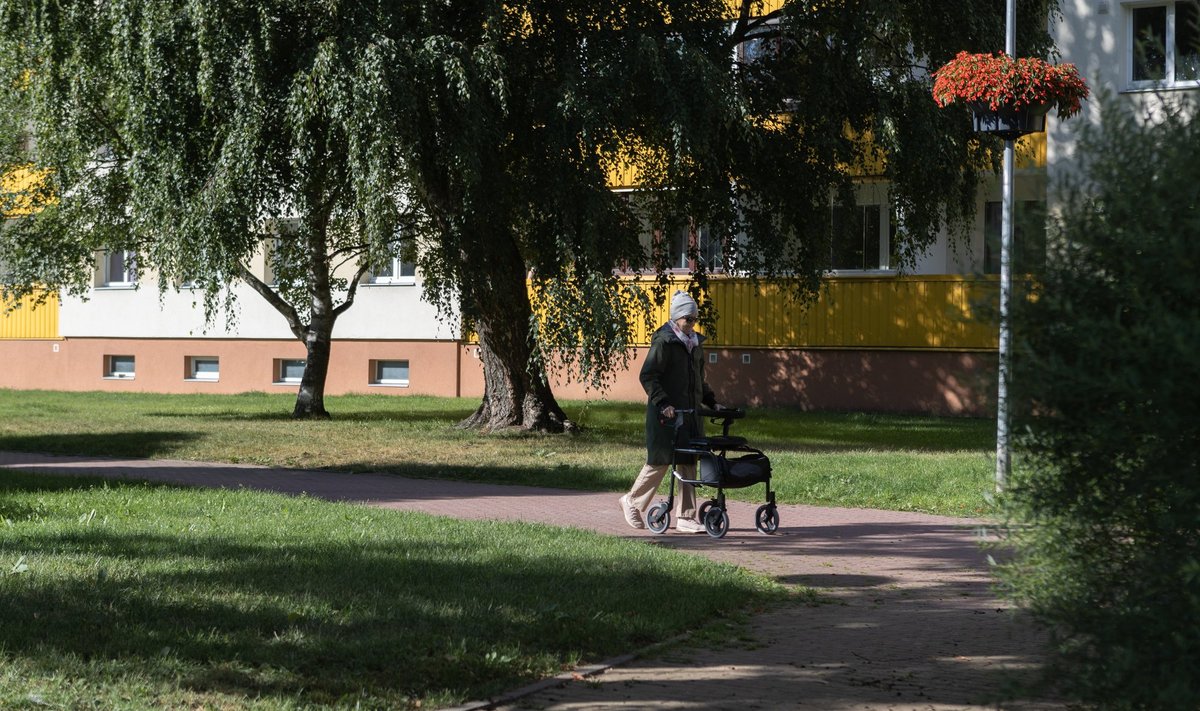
(683, 305)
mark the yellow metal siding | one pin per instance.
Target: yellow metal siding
(1031, 151)
(29, 323)
(910, 312)
(18, 183)
(932, 312)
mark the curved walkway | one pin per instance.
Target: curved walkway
(908, 619)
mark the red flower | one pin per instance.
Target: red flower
(999, 81)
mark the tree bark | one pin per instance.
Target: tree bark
(317, 332)
(515, 392)
(310, 399)
(318, 336)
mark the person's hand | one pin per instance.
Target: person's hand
(668, 412)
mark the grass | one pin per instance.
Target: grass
(119, 595)
(917, 463)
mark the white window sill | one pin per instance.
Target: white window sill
(397, 282)
(862, 272)
(1155, 87)
(389, 385)
(116, 287)
(119, 377)
(201, 380)
(286, 382)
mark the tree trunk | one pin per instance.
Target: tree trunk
(515, 392)
(310, 400)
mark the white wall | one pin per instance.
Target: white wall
(387, 312)
(1095, 36)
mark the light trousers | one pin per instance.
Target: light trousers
(646, 484)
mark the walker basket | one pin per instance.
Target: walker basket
(735, 472)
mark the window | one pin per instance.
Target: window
(394, 271)
(203, 368)
(118, 366)
(677, 243)
(289, 370)
(283, 254)
(1164, 43)
(764, 42)
(760, 62)
(860, 239)
(1029, 237)
(389, 372)
(120, 268)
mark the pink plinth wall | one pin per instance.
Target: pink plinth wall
(934, 382)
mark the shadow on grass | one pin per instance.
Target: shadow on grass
(299, 616)
(445, 417)
(421, 606)
(125, 443)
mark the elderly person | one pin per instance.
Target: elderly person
(673, 377)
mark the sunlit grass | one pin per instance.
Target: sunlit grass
(937, 465)
(135, 596)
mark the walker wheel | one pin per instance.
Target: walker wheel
(716, 522)
(766, 519)
(658, 518)
(704, 509)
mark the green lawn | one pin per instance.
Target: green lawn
(124, 595)
(135, 596)
(935, 465)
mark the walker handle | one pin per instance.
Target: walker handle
(725, 416)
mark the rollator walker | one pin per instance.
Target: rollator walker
(722, 462)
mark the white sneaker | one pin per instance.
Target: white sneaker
(687, 525)
(633, 515)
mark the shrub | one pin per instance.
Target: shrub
(1106, 498)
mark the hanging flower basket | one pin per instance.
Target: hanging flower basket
(1009, 97)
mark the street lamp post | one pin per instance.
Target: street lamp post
(1003, 466)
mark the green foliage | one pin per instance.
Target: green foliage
(189, 131)
(1108, 498)
(200, 135)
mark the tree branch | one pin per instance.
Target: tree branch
(274, 299)
(352, 290)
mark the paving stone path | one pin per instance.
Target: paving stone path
(908, 620)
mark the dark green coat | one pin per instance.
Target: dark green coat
(672, 376)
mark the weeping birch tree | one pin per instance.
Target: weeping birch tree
(187, 131)
(744, 121)
(198, 135)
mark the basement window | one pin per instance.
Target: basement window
(389, 372)
(288, 370)
(119, 366)
(203, 368)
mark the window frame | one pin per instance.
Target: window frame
(376, 373)
(886, 228)
(768, 34)
(128, 271)
(1170, 50)
(397, 266)
(193, 375)
(677, 240)
(279, 376)
(110, 368)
